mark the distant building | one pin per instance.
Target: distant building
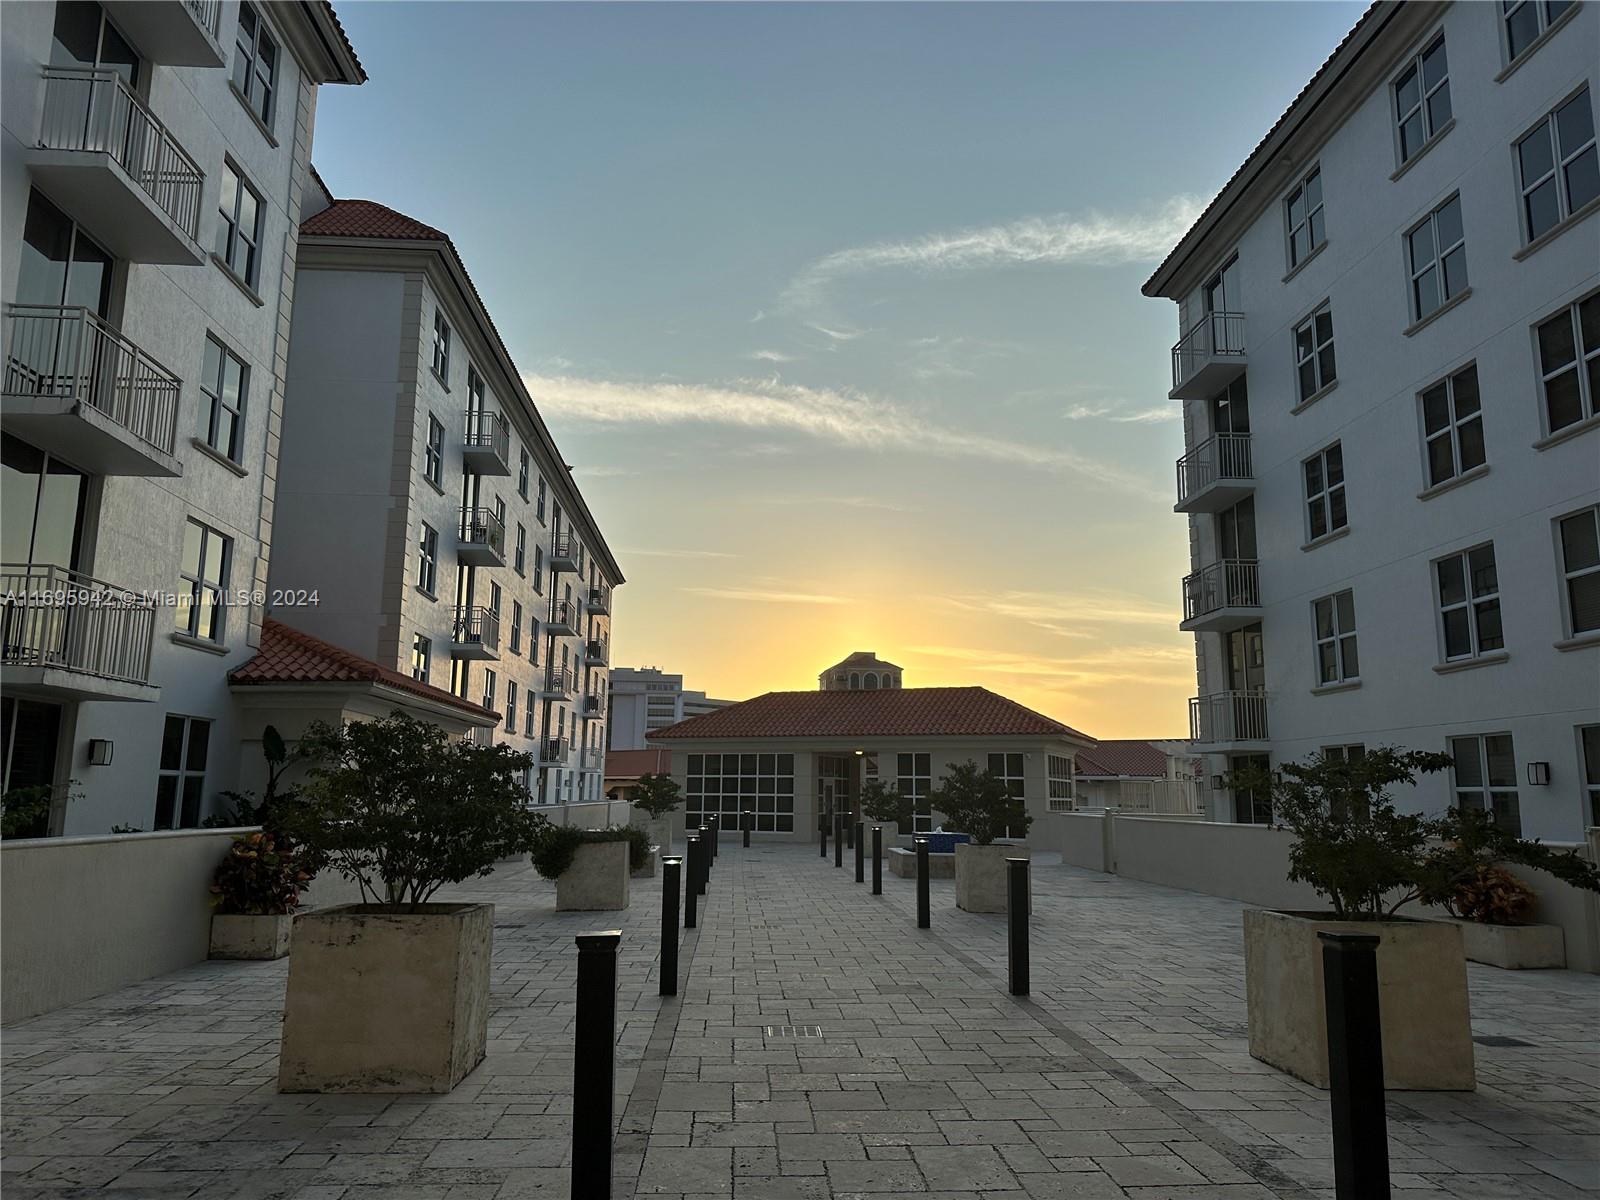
(862, 671)
(644, 699)
(1135, 776)
(624, 769)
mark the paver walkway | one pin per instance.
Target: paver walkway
(1125, 1074)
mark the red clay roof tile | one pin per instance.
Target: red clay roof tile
(368, 219)
(1121, 757)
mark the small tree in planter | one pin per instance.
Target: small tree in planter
(392, 995)
(885, 805)
(254, 893)
(590, 867)
(978, 804)
(658, 797)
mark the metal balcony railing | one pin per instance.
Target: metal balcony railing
(207, 14)
(69, 352)
(558, 681)
(477, 625)
(483, 527)
(1227, 583)
(595, 650)
(94, 110)
(600, 599)
(553, 750)
(53, 617)
(594, 704)
(565, 546)
(487, 430)
(1222, 456)
(1228, 717)
(565, 613)
(1215, 335)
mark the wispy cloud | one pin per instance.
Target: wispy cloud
(763, 596)
(771, 356)
(1123, 665)
(837, 335)
(1091, 238)
(1088, 411)
(1065, 613)
(657, 552)
(843, 417)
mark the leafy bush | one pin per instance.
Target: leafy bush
(1493, 896)
(402, 808)
(657, 795)
(555, 846)
(977, 804)
(258, 877)
(881, 803)
(25, 812)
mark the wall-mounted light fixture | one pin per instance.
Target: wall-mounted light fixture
(100, 752)
(859, 753)
(1216, 783)
(1539, 774)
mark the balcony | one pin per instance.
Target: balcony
(566, 552)
(108, 163)
(481, 541)
(65, 636)
(486, 443)
(1215, 474)
(557, 683)
(564, 620)
(1229, 720)
(594, 706)
(76, 387)
(175, 33)
(553, 751)
(1221, 597)
(1208, 357)
(475, 634)
(599, 602)
(596, 652)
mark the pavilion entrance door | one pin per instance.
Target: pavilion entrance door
(833, 790)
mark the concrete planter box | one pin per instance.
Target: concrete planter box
(903, 863)
(1512, 947)
(1422, 993)
(981, 876)
(648, 871)
(386, 1002)
(597, 880)
(243, 935)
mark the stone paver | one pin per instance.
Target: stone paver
(1126, 1073)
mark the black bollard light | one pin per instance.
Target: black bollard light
(877, 860)
(703, 875)
(691, 887)
(594, 1064)
(924, 906)
(671, 874)
(749, 824)
(850, 828)
(716, 834)
(860, 843)
(838, 839)
(1017, 924)
(822, 828)
(1355, 1066)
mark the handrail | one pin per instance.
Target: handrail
(1221, 456)
(1226, 583)
(70, 352)
(1214, 335)
(487, 429)
(1237, 716)
(553, 749)
(565, 612)
(207, 13)
(565, 544)
(483, 527)
(93, 109)
(54, 617)
(559, 680)
(476, 624)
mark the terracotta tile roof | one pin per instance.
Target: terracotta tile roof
(368, 219)
(630, 764)
(897, 712)
(344, 38)
(1117, 757)
(290, 656)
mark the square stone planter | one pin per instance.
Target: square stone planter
(386, 1002)
(903, 862)
(648, 871)
(1422, 996)
(597, 880)
(981, 876)
(248, 936)
(1512, 947)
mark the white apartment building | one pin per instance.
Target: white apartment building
(428, 518)
(151, 171)
(644, 699)
(1389, 364)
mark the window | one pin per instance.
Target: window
(239, 230)
(433, 453)
(181, 779)
(1008, 769)
(511, 706)
(475, 401)
(1452, 426)
(428, 559)
(1344, 754)
(1436, 251)
(1325, 509)
(421, 654)
(441, 347)
(1422, 98)
(1486, 778)
(539, 508)
(1570, 386)
(1589, 743)
(533, 640)
(1336, 638)
(489, 681)
(522, 473)
(1558, 166)
(914, 780)
(519, 561)
(1469, 603)
(1059, 768)
(529, 728)
(1304, 207)
(538, 570)
(255, 63)
(1313, 352)
(516, 627)
(223, 382)
(201, 595)
(494, 598)
(1526, 20)
(730, 783)
(1580, 564)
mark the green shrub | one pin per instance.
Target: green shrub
(881, 803)
(555, 846)
(258, 877)
(977, 804)
(657, 795)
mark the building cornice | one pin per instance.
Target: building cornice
(318, 41)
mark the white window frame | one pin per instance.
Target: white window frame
(1561, 160)
(1471, 602)
(1312, 220)
(515, 644)
(1541, 9)
(1589, 769)
(231, 234)
(523, 466)
(260, 88)
(520, 562)
(1486, 795)
(421, 657)
(1570, 573)
(213, 392)
(1454, 423)
(1582, 357)
(491, 679)
(428, 560)
(914, 781)
(1435, 263)
(511, 706)
(182, 773)
(197, 586)
(1317, 344)
(1425, 94)
(530, 726)
(1323, 498)
(1350, 752)
(1059, 774)
(539, 508)
(1332, 635)
(441, 346)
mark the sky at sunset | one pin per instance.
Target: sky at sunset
(835, 309)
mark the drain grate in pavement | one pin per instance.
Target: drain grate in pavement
(1494, 1039)
(794, 1031)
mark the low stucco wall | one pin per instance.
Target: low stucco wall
(80, 916)
(1079, 837)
